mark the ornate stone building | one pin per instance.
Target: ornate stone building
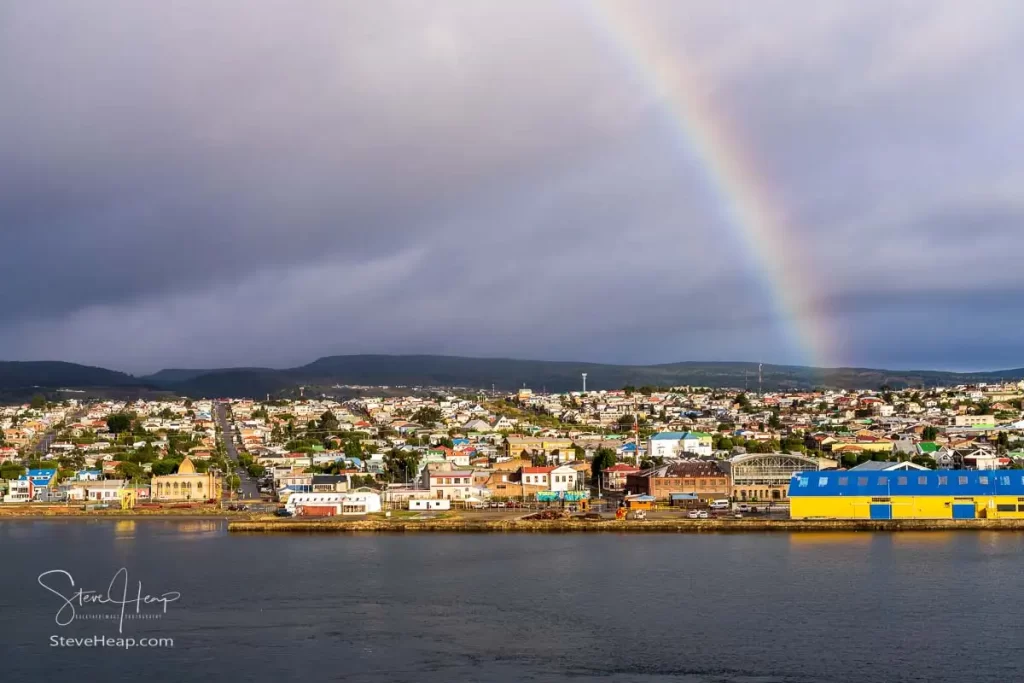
(186, 485)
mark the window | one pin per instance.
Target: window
(843, 481)
(862, 481)
(922, 480)
(1005, 481)
(943, 481)
(962, 481)
(822, 481)
(1009, 507)
(901, 481)
(983, 480)
(803, 482)
(883, 481)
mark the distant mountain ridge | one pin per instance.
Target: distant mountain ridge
(478, 373)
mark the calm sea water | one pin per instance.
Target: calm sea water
(713, 608)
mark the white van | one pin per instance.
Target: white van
(720, 504)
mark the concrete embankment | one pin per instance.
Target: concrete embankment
(618, 526)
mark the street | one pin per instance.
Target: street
(250, 489)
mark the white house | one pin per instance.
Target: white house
(563, 478)
(357, 502)
(665, 444)
(453, 484)
(537, 476)
(19, 491)
(103, 491)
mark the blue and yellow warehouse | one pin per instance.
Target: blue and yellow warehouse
(907, 494)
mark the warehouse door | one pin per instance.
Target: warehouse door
(881, 511)
(963, 511)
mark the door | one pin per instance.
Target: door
(881, 511)
(963, 511)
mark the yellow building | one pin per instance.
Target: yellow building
(907, 494)
(186, 485)
(527, 446)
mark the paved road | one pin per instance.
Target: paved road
(43, 445)
(250, 489)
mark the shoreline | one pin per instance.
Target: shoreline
(163, 517)
(271, 526)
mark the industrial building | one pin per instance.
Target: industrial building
(766, 476)
(944, 494)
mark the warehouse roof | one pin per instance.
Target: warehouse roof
(920, 483)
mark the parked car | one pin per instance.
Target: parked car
(703, 514)
(693, 514)
(282, 512)
(743, 507)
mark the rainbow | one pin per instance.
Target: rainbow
(759, 221)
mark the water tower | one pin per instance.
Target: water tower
(584, 382)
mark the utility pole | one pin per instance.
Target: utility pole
(636, 431)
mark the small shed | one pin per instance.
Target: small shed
(684, 500)
(640, 502)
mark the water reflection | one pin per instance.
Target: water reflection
(817, 538)
(124, 529)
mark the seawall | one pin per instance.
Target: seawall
(619, 526)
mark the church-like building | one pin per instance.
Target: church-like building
(186, 485)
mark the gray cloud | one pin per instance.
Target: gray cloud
(239, 184)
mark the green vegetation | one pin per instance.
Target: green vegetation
(119, 422)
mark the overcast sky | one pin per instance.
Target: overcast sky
(196, 184)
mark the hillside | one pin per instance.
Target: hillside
(18, 379)
(556, 376)
(58, 374)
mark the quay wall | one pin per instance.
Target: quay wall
(619, 526)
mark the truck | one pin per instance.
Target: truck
(720, 504)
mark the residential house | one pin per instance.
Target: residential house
(614, 478)
(450, 484)
(665, 444)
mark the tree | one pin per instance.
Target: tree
(165, 466)
(427, 415)
(360, 480)
(129, 470)
(578, 452)
(401, 465)
(646, 390)
(11, 470)
(774, 421)
(353, 449)
(1003, 442)
(929, 433)
(328, 422)
(38, 402)
(742, 401)
(629, 389)
(603, 459)
(119, 422)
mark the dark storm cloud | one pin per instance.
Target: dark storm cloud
(493, 178)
